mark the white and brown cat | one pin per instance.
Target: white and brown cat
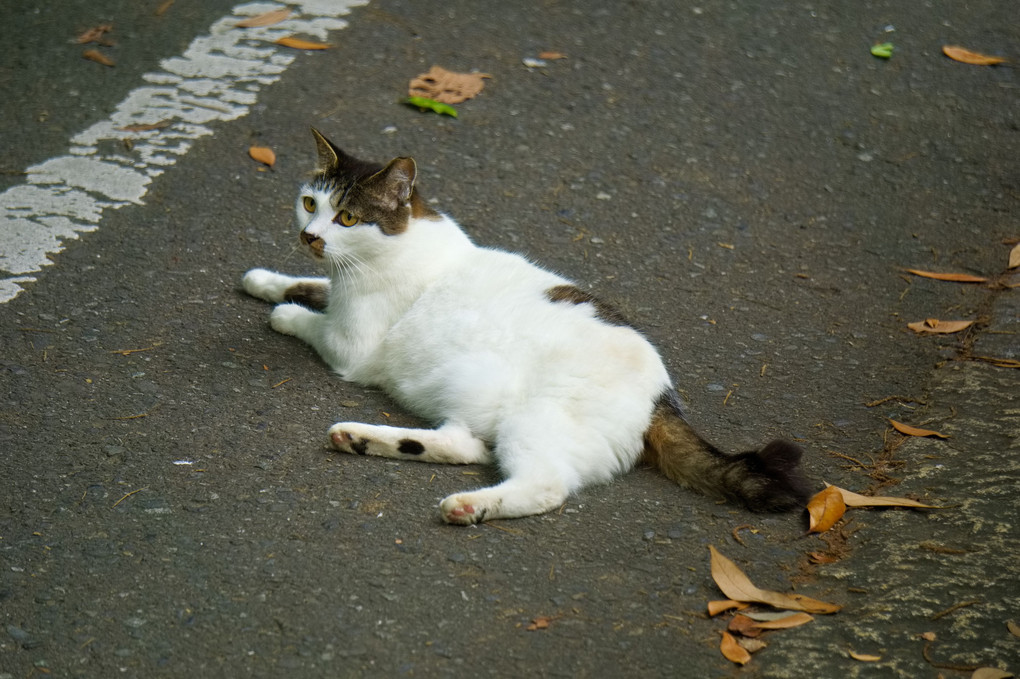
(516, 365)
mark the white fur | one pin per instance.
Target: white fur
(466, 337)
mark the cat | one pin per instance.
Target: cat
(517, 365)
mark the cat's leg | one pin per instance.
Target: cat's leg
(450, 444)
(276, 287)
(516, 497)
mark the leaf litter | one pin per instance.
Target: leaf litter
(262, 154)
(265, 19)
(447, 87)
(933, 326)
(966, 56)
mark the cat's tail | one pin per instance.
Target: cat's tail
(766, 480)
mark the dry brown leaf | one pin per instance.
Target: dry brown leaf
(163, 7)
(263, 154)
(990, 673)
(855, 500)
(98, 57)
(751, 645)
(734, 584)
(953, 277)
(146, 127)
(1014, 257)
(266, 19)
(933, 326)
(743, 625)
(552, 56)
(447, 87)
(825, 509)
(733, 651)
(718, 606)
(966, 56)
(96, 34)
(541, 622)
(864, 657)
(299, 44)
(914, 431)
(1013, 628)
(795, 620)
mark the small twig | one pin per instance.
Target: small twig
(129, 495)
(945, 666)
(847, 457)
(739, 528)
(904, 399)
(954, 607)
(281, 382)
(128, 352)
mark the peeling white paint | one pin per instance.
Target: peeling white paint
(216, 79)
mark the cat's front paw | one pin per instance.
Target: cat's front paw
(265, 284)
(291, 319)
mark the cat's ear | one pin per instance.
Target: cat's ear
(396, 182)
(329, 154)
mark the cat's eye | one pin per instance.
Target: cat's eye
(345, 218)
(309, 203)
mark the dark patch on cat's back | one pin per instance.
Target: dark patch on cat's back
(311, 295)
(410, 447)
(574, 295)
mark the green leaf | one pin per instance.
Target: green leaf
(883, 51)
(426, 104)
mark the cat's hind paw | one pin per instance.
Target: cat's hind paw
(457, 509)
(346, 441)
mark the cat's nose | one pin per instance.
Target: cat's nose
(315, 243)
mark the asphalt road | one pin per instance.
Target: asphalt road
(746, 182)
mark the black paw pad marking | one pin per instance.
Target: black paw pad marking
(410, 447)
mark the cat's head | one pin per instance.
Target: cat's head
(352, 207)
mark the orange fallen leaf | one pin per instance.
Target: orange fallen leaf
(98, 57)
(795, 620)
(299, 44)
(825, 509)
(1014, 257)
(864, 657)
(933, 326)
(733, 651)
(914, 431)
(262, 154)
(163, 7)
(855, 500)
(743, 625)
(447, 87)
(966, 56)
(734, 584)
(717, 607)
(96, 34)
(953, 277)
(266, 19)
(541, 622)
(552, 56)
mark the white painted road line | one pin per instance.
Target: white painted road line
(217, 79)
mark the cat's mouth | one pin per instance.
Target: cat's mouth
(314, 244)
